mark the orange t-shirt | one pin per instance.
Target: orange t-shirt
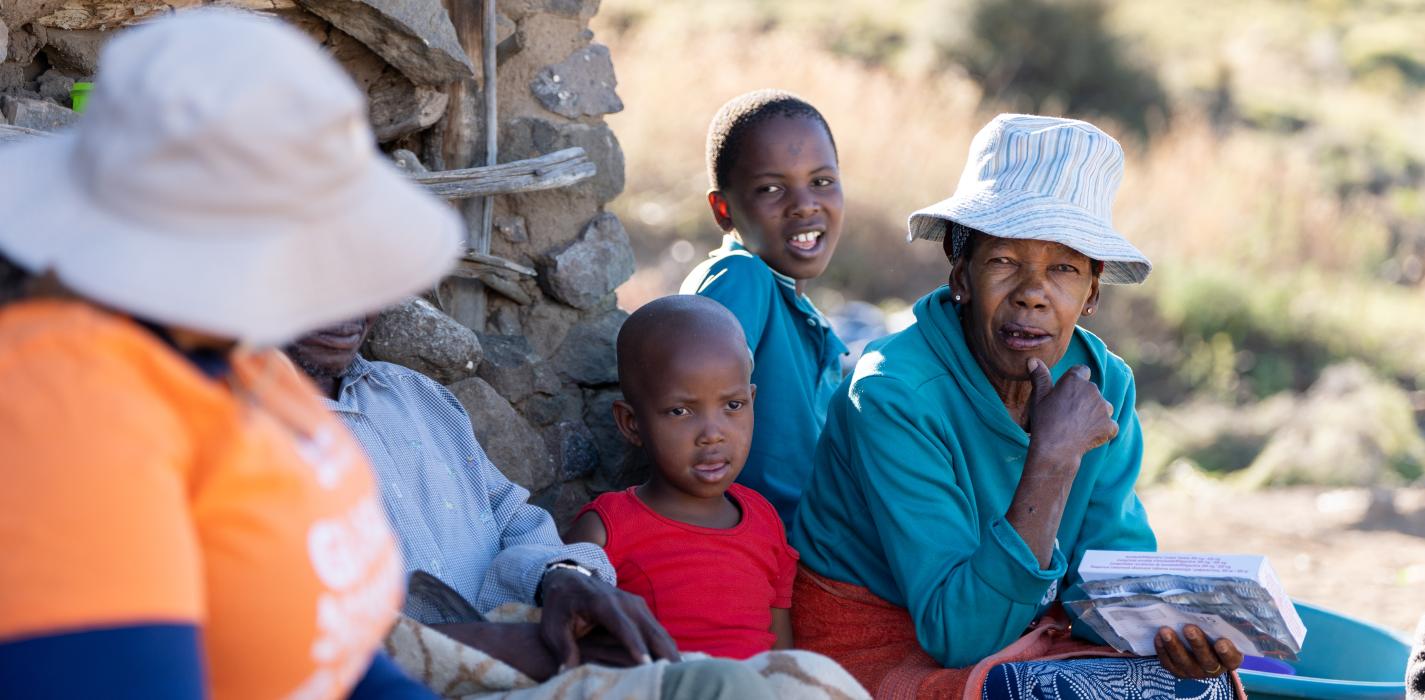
(139, 491)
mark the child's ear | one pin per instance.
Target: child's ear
(627, 422)
(721, 211)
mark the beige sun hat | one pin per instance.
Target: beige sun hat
(223, 178)
(1041, 178)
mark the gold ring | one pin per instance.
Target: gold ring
(1216, 670)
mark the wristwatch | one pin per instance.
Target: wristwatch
(567, 565)
(571, 566)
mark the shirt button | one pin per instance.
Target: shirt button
(811, 322)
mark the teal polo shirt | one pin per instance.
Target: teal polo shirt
(796, 367)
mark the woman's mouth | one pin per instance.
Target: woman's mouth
(711, 472)
(1021, 338)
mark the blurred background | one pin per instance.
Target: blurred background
(1276, 177)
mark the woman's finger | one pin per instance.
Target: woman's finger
(1229, 654)
(1164, 658)
(1043, 382)
(1202, 651)
(1173, 656)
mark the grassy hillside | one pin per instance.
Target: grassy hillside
(1278, 184)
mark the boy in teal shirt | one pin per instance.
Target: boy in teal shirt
(777, 193)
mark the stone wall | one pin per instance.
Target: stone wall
(538, 373)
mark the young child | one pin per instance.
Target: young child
(709, 556)
(776, 191)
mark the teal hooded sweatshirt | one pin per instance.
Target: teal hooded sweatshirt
(916, 469)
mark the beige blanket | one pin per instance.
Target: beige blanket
(459, 672)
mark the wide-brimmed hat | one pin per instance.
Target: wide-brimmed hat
(223, 178)
(1041, 178)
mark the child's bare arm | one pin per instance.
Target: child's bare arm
(588, 527)
(782, 628)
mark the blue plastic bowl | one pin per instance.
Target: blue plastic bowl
(1342, 659)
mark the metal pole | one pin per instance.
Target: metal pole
(492, 125)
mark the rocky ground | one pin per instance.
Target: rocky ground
(1356, 551)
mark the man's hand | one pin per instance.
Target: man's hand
(520, 645)
(576, 605)
(1198, 658)
(517, 644)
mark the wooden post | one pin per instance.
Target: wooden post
(492, 125)
(465, 298)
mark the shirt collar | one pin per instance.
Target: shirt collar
(360, 370)
(730, 244)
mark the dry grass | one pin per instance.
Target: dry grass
(901, 141)
(1194, 195)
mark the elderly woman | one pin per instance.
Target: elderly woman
(973, 458)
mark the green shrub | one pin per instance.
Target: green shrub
(1056, 56)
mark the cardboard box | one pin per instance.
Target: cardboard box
(1099, 565)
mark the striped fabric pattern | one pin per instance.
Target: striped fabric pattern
(1041, 178)
(456, 516)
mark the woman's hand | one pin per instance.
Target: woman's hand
(1069, 418)
(1198, 657)
(1066, 420)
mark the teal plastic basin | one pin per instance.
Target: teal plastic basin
(1341, 659)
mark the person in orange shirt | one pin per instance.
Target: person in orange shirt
(181, 517)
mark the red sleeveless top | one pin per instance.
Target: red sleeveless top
(712, 589)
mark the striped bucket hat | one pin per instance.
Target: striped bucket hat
(1041, 178)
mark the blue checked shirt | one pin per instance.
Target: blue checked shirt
(455, 515)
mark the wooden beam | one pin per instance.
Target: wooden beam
(546, 172)
(493, 281)
(481, 260)
(549, 171)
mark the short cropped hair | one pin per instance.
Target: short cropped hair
(736, 119)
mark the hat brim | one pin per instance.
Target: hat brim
(261, 280)
(1028, 215)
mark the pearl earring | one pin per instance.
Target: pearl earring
(1088, 312)
(957, 297)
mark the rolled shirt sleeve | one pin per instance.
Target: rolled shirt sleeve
(456, 515)
(529, 543)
